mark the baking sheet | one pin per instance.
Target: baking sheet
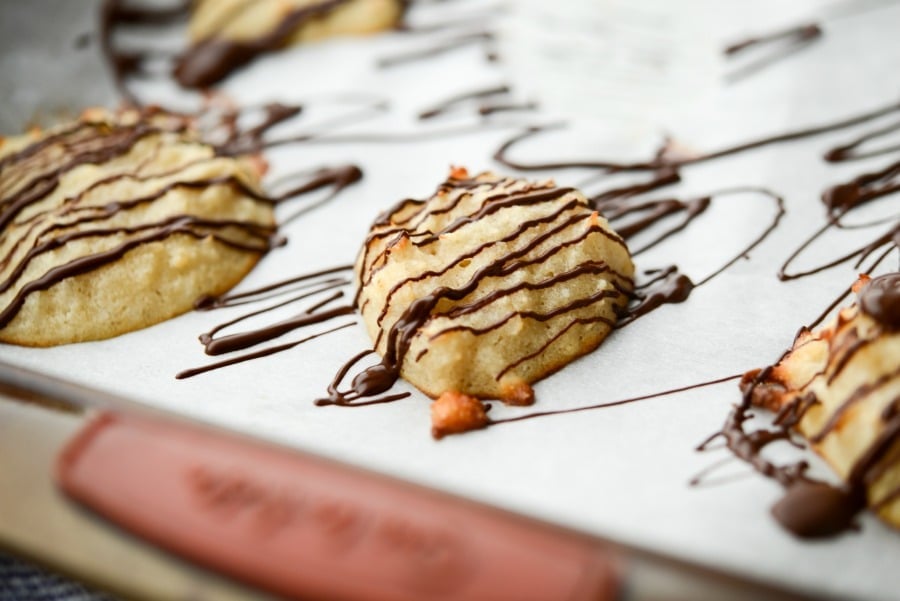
(619, 472)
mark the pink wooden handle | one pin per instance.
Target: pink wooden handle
(305, 527)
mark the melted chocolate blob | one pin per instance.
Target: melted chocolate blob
(811, 509)
(880, 300)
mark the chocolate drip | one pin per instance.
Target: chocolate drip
(489, 109)
(497, 203)
(809, 508)
(145, 15)
(785, 42)
(667, 286)
(839, 199)
(449, 45)
(110, 210)
(370, 382)
(888, 240)
(842, 198)
(454, 101)
(798, 33)
(613, 200)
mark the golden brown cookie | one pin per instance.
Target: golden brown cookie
(117, 222)
(490, 285)
(843, 381)
(226, 34)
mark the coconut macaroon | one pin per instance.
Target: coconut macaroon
(226, 34)
(119, 221)
(490, 285)
(843, 382)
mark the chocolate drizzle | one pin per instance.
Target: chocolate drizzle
(663, 158)
(809, 508)
(300, 289)
(337, 178)
(610, 404)
(839, 201)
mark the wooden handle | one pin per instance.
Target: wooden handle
(305, 527)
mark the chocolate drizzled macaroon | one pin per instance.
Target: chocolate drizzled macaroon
(227, 34)
(840, 387)
(117, 222)
(490, 285)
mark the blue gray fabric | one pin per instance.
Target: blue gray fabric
(21, 581)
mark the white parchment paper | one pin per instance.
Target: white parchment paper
(621, 472)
